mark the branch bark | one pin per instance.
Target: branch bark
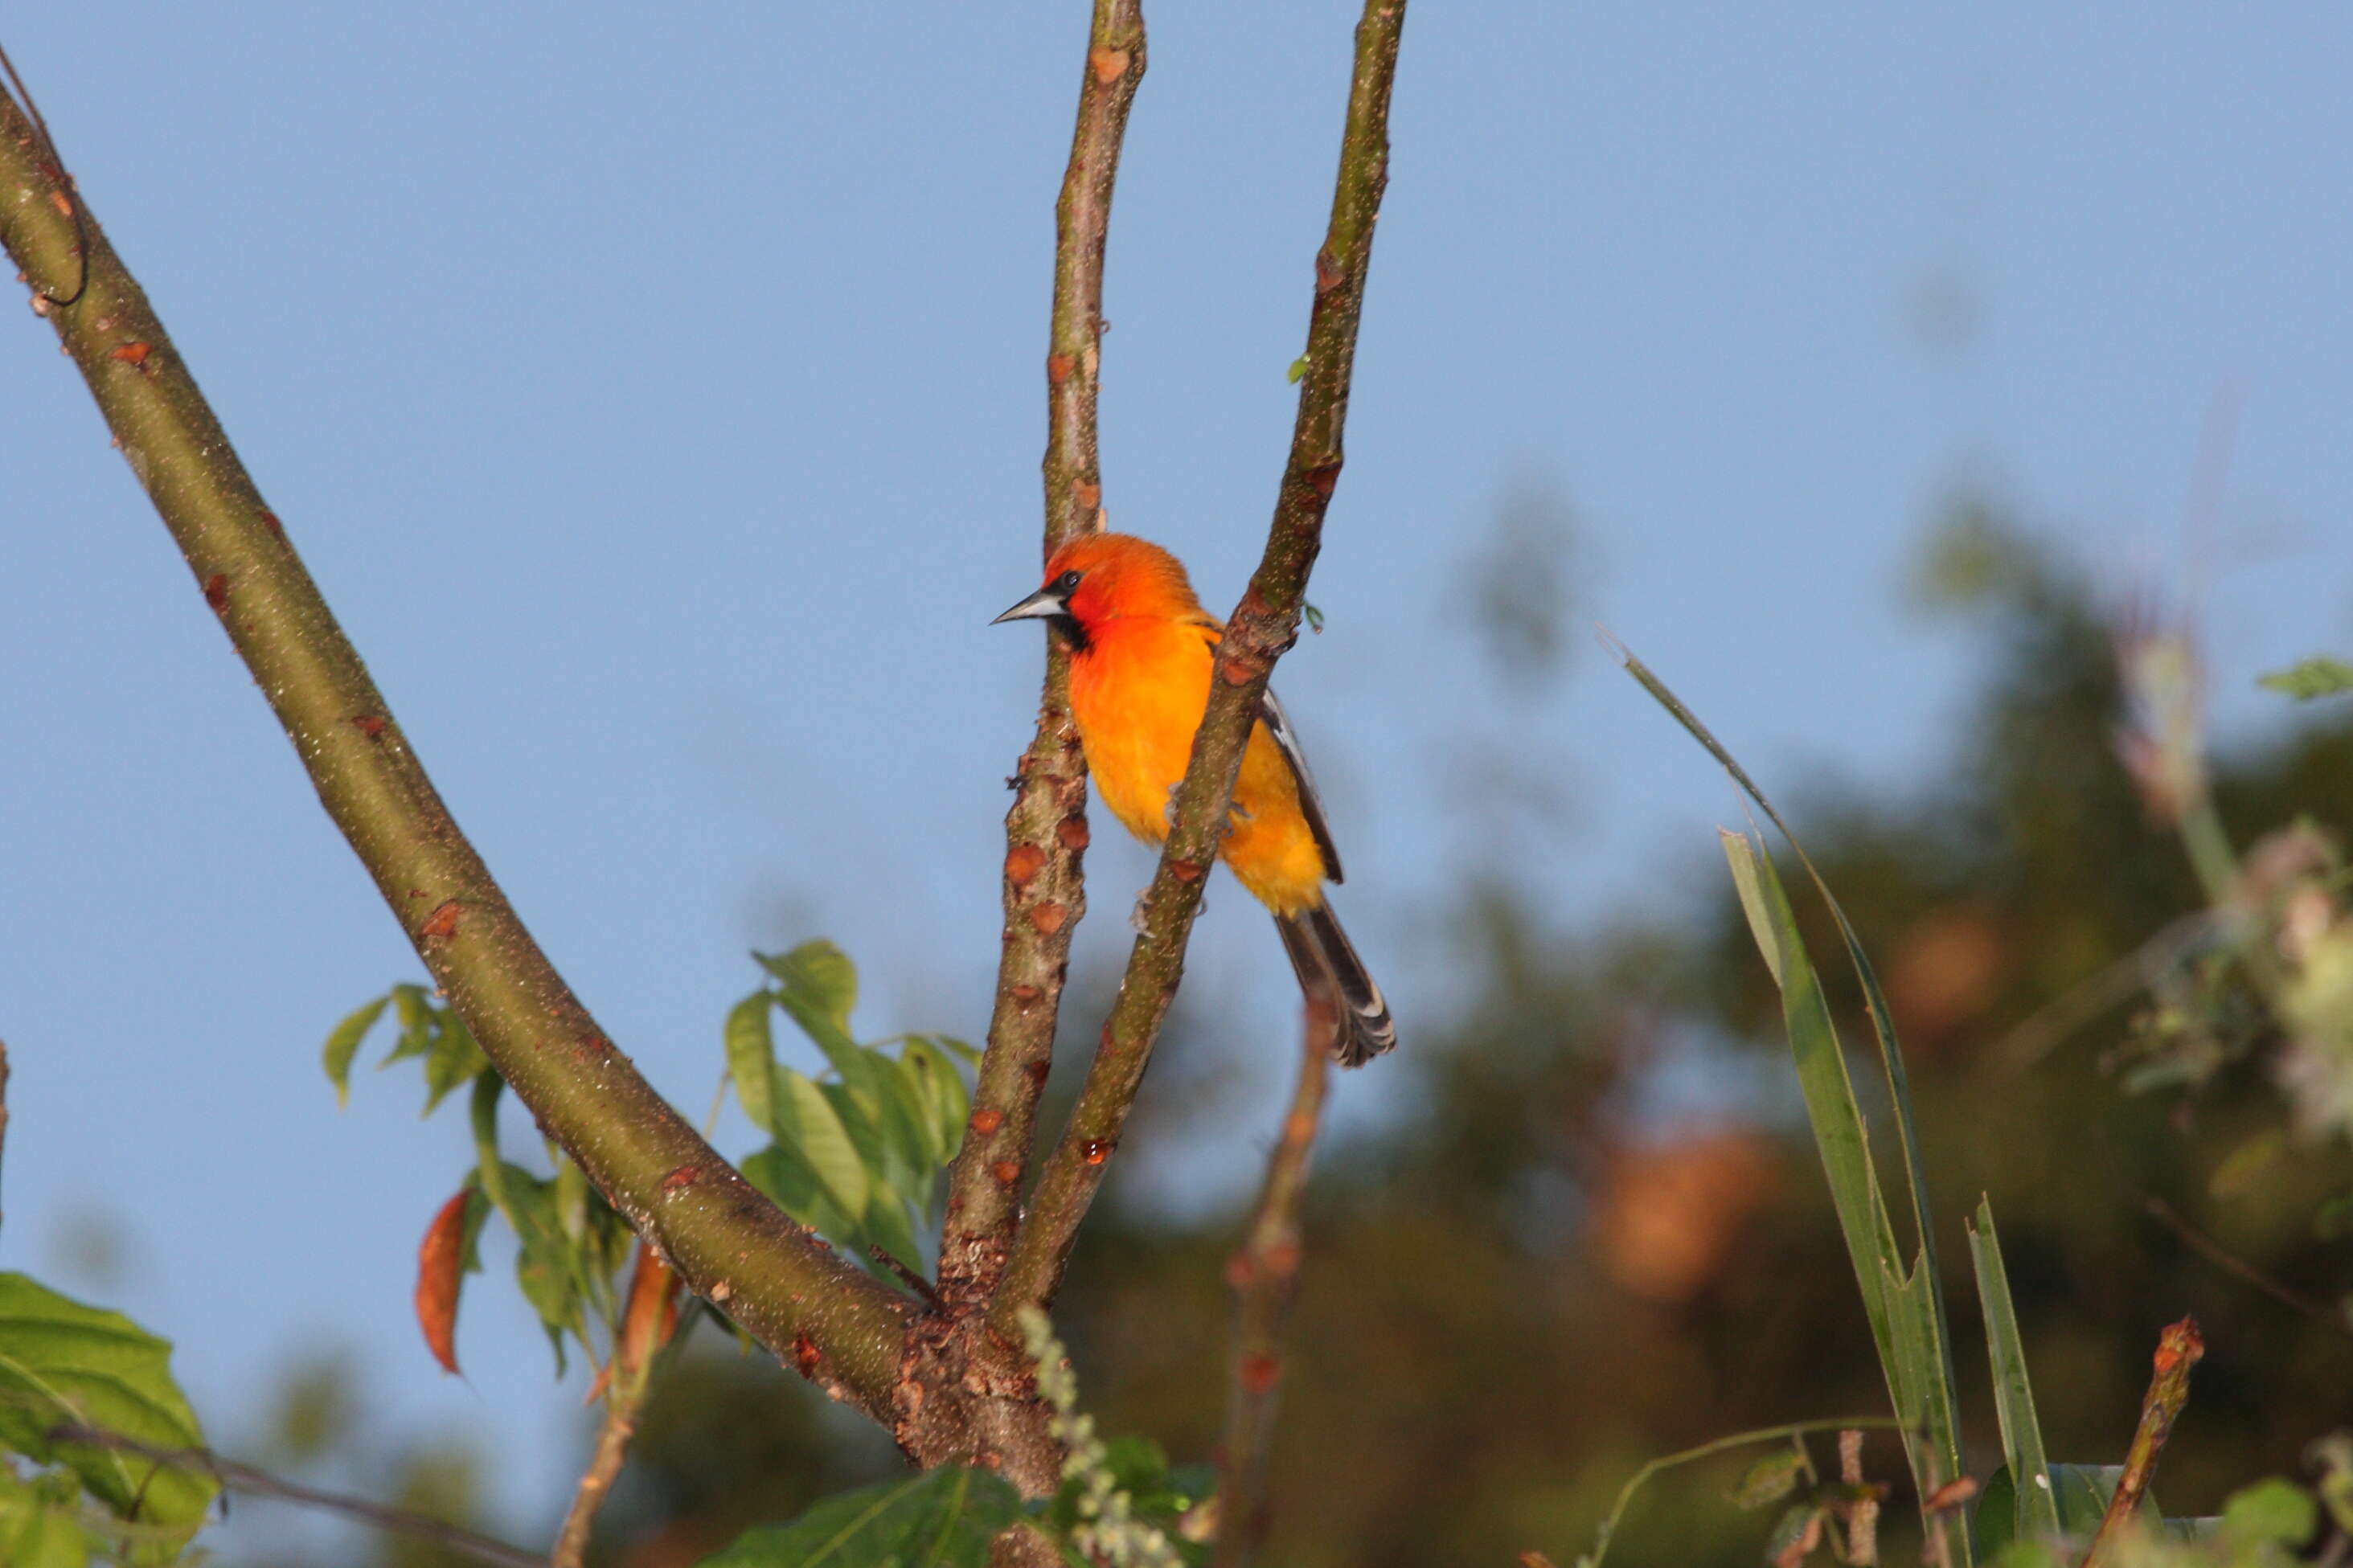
(731, 1244)
(1264, 1274)
(1261, 628)
(1046, 831)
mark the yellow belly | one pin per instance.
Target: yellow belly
(1137, 695)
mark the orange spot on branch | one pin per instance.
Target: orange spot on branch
(442, 923)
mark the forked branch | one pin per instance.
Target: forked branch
(1261, 628)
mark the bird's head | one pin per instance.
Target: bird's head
(1101, 577)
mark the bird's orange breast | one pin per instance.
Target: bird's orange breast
(1137, 692)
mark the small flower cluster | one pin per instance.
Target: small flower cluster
(1109, 1531)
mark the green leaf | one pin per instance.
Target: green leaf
(2245, 1166)
(1790, 1528)
(2036, 1515)
(906, 1122)
(752, 1057)
(413, 1008)
(886, 1227)
(944, 1091)
(455, 1058)
(343, 1044)
(63, 1362)
(941, 1519)
(956, 1049)
(807, 1122)
(786, 1179)
(2310, 678)
(1298, 371)
(2273, 1512)
(819, 984)
(39, 1525)
(546, 1266)
(1769, 1480)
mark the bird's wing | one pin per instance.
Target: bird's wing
(1311, 805)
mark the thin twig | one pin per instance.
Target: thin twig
(1262, 626)
(2179, 1349)
(1046, 830)
(780, 1284)
(2221, 1258)
(253, 1482)
(1264, 1274)
(613, 1435)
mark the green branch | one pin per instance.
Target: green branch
(1046, 831)
(731, 1244)
(1261, 628)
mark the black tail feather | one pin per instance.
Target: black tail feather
(1328, 967)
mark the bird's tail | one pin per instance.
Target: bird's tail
(1328, 967)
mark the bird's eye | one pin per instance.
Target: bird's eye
(1065, 582)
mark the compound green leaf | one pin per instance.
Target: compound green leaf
(943, 1519)
(64, 1363)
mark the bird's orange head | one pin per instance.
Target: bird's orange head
(1101, 577)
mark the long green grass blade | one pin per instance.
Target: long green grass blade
(1830, 1105)
(2037, 1513)
(1904, 1304)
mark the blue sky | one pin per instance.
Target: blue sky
(659, 403)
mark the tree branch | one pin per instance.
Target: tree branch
(240, 1478)
(1264, 1274)
(1262, 626)
(1046, 831)
(2178, 1348)
(730, 1242)
(605, 1460)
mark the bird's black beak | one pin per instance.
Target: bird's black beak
(1043, 604)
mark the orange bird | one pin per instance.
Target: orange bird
(1140, 668)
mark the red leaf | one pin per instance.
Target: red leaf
(441, 1266)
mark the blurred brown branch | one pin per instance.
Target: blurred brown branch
(1264, 1274)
